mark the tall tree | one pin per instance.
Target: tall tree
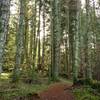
(87, 56)
(97, 67)
(4, 21)
(55, 38)
(43, 44)
(74, 37)
(19, 41)
(38, 32)
(26, 33)
(34, 11)
(67, 68)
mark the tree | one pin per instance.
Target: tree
(4, 21)
(87, 56)
(38, 33)
(43, 44)
(19, 42)
(55, 31)
(97, 47)
(74, 37)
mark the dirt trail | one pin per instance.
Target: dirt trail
(57, 91)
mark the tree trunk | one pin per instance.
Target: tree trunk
(74, 37)
(19, 42)
(43, 44)
(55, 39)
(4, 21)
(87, 54)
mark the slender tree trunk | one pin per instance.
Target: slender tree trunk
(97, 67)
(34, 11)
(19, 42)
(43, 45)
(56, 39)
(74, 37)
(38, 34)
(4, 21)
(26, 34)
(87, 54)
(33, 41)
(67, 68)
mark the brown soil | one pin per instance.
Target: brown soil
(57, 91)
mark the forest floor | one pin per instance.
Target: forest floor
(62, 90)
(57, 91)
(66, 91)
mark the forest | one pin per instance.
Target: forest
(49, 49)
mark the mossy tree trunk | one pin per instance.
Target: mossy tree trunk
(4, 22)
(88, 73)
(55, 39)
(19, 42)
(74, 37)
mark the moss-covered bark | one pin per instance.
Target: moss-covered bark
(56, 32)
(74, 37)
(19, 41)
(4, 21)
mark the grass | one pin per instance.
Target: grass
(85, 93)
(9, 90)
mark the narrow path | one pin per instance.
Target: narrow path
(57, 91)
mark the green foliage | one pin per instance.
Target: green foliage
(96, 85)
(20, 89)
(85, 93)
(30, 76)
(5, 76)
(15, 76)
(10, 48)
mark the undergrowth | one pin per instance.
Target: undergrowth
(86, 93)
(10, 91)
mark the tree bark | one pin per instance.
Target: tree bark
(74, 37)
(19, 42)
(55, 39)
(4, 22)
